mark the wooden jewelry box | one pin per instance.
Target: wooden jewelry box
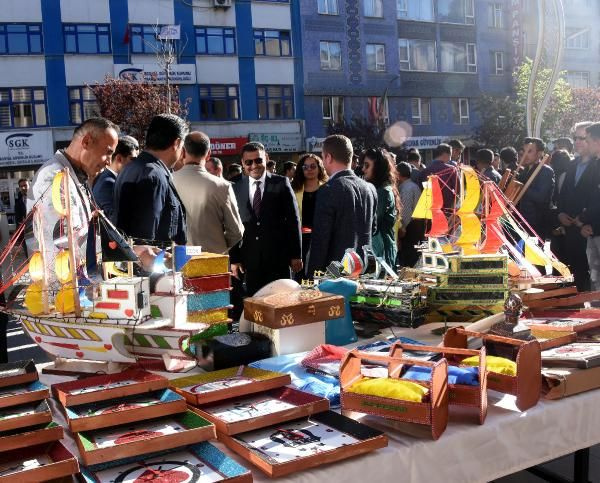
(38, 463)
(30, 436)
(23, 393)
(21, 372)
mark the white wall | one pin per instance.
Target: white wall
(217, 70)
(268, 15)
(218, 17)
(275, 70)
(151, 11)
(23, 71)
(21, 10)
(87, 69)
(96, 11)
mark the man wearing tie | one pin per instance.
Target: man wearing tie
(272, 241)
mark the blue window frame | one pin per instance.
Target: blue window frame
(272, 42)
(215, 40)
(144, 39)
(21, 38)
(87, 38)
(275, 102)
(82, 104)
(23, 107)
(219, 102)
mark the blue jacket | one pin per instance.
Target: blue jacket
(103, 191)
(146, 204)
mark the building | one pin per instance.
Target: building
(427, 64)
(239, 63)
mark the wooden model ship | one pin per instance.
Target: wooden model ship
(119, 318)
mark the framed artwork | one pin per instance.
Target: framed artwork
(23, 393)
(198, 463)
(578, 354)
(256, 411)
(37, 463)
(30, 436)
(108, 444)
(21, 372)
(305, 443)
(138, 407)
(108, 387)
(562, 324)
(30, 414)
(227, 383)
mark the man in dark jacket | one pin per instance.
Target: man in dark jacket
(484, 159)
(272, 241)
(346, 207)
(146, 204)
(442, 167)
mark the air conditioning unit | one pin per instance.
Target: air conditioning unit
(222, 3)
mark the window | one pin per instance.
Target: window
(275, 102)
(333, 109)
(495, 16)
(373, 8)
(331, 55)
(460, 111)
(215, 40)
(378, 111)
(498, 63)
(24, 107)
(20, 38)
(415, 10)
(327, 7)
(376, 57)
(421, 110)
(577, 39)
(87, 38)
(144, 39)
(272, 42)
(82, 104)
(578, 79)
(417, 55)
(219, 102)
(456, 11)
(457, 57)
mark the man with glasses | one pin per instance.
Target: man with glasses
(272, 241)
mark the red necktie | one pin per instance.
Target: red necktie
(256, 201)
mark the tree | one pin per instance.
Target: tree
(132, 105)
(364, 134)
(502, 122)
(586, 106)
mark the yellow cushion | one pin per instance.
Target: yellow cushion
(496, 364)
(390, 388)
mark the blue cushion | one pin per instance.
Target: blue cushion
(456, 375)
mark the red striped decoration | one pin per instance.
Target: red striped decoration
(108, 305)
(117, 294)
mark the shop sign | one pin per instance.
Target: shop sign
(19, 148)
(227, 146)
(279, 142)
(155, 74)
(314, 144)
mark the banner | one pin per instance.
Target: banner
(279, 142)
(19, 147)
(155, 74)
(227, 146)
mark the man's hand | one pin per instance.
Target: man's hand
(237, 270)
(146, 255)
(586, 231)
(296, 264)
(565, 220)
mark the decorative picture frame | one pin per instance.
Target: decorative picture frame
(20, 372)
(31, 436)
(25, 415)
(23, 393)
(38, 463)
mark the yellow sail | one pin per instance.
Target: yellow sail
(471, 191)
(33, 298)
(36, 267)
(62, 267)
(470, 231)
(65, 299)
(423, 208)
(57, 193)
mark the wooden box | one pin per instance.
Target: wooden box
(294, 339)
(139, 407)
(227, 383)
(557, 323)
(31, 436)
(288, 309)
(200, 462)
(432, 412)
(109, 444)
(23, 393)
(527, 384)
(111, 386)
(257, 411)
(305, 443)
(205, 264)
(208, 283)
(25, 415)
(21, 372)
(38, 463)
(459, 394)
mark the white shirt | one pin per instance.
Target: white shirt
(253, 182)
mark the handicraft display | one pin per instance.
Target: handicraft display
(37, 463)
(24, 415)
(579, 354)
(23, 393)
(25, 437)
(21, 372)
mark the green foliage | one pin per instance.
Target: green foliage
(364, 134)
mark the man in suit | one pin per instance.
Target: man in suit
(146, 204)
(212, 215)
(272, 240)
(442, 167)
(104, 185)
(484, 160)
(345, 212)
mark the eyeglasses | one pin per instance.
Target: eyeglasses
(248, 162)
(306, 167)
(579, 138)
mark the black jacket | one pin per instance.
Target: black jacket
(573, 198)
(146, 205)
(535, 203)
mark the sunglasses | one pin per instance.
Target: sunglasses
(579, 138)
(306, 167)
(248, 162)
